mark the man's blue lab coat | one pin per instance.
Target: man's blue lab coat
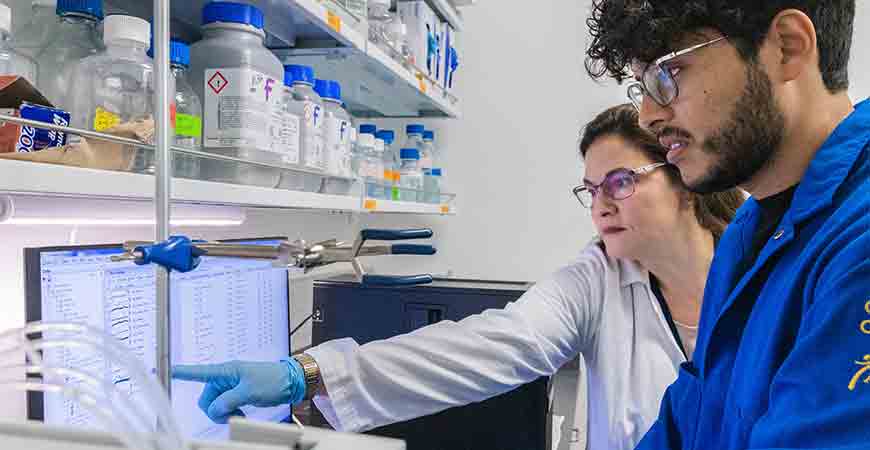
(783, 361)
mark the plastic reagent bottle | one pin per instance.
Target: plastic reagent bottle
(116, 86)
(240, 83)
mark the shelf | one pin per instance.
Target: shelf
(306, 32)
(390, 207)
(20, 177)
(447, 12)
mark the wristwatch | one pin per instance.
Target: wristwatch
(312, 374)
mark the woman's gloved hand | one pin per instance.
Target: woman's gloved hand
(231, 385)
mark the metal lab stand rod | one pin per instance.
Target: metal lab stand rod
(138, 144)
(163, 178)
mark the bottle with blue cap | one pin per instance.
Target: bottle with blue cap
(432, 185)
(74, 37)
(188, 108)
(288, 137)
(411, 176)
(414, 136)
(428, 152)
(337, 125)
(30, 36)
(391, 163)
(12, 62)
(366, 164)
(239, 82)
(308, 105)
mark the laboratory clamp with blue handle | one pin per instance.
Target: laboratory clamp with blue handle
(180, 253)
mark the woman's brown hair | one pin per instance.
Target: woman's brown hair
(713, 211)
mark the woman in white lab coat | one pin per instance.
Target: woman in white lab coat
(630, 304)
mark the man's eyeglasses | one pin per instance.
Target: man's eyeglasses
(658, 82)
(618, 184)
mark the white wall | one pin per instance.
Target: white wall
(513, 155)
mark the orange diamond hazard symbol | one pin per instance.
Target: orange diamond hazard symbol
(217, 82)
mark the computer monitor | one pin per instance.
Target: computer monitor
(228, 308)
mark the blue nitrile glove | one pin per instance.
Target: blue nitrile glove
(231, 385)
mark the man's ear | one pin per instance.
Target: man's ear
(792, 42)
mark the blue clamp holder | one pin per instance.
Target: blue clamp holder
(181, 254)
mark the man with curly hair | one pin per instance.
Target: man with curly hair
(754, 94)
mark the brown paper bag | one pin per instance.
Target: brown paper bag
(93, 153)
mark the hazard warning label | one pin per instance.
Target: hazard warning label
(217, 82)
(237, 109)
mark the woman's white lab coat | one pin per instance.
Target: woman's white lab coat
(598, 306)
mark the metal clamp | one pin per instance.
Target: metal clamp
(181, 254)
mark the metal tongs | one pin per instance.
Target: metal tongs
(182, 254)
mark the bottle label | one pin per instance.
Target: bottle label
(338, 146)
(314, 136)
(238, 108)
(104, 120)
(188, 125)
(285, 130)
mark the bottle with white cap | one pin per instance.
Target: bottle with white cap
(30, 36)
(12, 62)
(116, 85)
(240, 83)
(74, 37)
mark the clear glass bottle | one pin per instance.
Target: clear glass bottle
(31, 36)
(74, 37)
(390, 162)
(337, 125)
(116, 86)
(427, 151)
(379, 185)
(414, 136)
(412, 176)
(308, 105)
(363, 163)
(432, 185)
(12, 62)
(188, 113)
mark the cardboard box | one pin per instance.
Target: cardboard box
(19, 98)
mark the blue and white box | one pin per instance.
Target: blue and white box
(32, 139)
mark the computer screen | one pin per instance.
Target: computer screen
(226, 309)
